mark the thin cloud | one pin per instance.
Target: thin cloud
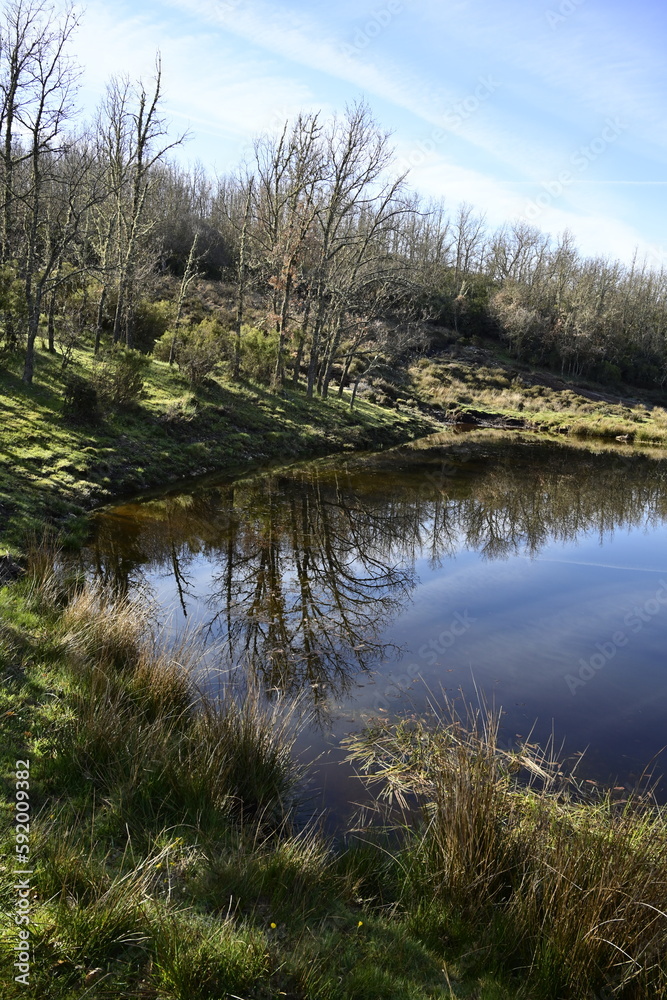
(235, 68)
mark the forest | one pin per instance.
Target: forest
(313, 264)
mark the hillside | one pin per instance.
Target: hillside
(55, 469)
(478, 384)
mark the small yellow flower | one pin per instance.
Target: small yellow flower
(273, 927)
(360, 924)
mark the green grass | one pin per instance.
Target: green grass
(567, 885)
(52, 470)
(167, 861)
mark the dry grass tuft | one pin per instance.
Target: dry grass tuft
(574, 890)
(156, 743)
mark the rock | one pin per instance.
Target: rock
(10, 570)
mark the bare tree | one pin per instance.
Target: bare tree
(41, 206)
(357, 155)
(191, 272)
(133, 134)
(242, 279)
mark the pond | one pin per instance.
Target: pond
(524, 573)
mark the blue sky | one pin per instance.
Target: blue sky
(549, 110)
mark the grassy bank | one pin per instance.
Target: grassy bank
(53, 469)
(479, 385)
(168, 865)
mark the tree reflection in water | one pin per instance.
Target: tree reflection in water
(305, 568)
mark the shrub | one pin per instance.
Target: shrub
(609, 372)
(149, 323)
(118, 375)
(12, 305)
(259, 351)
(521, 326)
(200, 350)
(162, 346)
(80, 403)
(180, 411)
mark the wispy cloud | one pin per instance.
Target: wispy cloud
(210, 86)
(234, 68)
(301, 38)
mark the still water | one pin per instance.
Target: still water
(526, 573)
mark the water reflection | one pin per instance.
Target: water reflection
(301, 572)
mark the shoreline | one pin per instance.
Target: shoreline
(56, 472)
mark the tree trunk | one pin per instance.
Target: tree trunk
(282, 333)
(329, 361)
(118, 316)
(100, 317)
(188, 275)
(301, 345)
(33, 330)
(129, 316)
(313, 361)
(236, 371)
(343, 378)
(298, 359)
(312, 364)
(354, 391)
(52, 323)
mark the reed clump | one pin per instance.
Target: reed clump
(568, 888)
(148, 773)
(166, 740)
